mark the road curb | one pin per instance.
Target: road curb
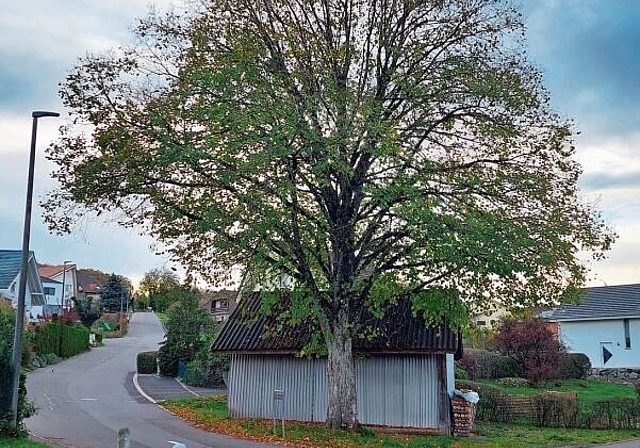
(187, 389)
(139, 389)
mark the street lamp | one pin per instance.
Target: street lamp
(61, 315)
(64, 273)
(22, 287)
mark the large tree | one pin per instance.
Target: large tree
(115, 293)
(160, 286)
(366, 149)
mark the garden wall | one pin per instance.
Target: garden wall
(617, 374)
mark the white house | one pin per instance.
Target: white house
(605, 326)
(10, 266)
(52, 295)
(67, 276)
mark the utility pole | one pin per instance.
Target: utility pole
(22, 287)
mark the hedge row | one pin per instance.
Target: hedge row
(480, 364)
(62, 340)
(146, 362)
(554, 409)
(483, 364)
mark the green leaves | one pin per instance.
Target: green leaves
(365, 154)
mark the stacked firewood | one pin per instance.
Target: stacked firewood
(464, 413)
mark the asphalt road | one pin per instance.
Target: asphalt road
(83, 401)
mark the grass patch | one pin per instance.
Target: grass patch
(587, 390)
(10, 442)
(210, 414)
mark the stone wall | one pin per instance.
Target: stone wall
(618, 375)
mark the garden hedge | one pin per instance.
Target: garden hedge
(574, 366)
(480, 364)
(146, 362)
(62, 340)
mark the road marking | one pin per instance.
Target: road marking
(140, 391)
(49, 400)
(88, 399)
(186, 388)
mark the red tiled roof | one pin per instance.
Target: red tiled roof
(51, 270)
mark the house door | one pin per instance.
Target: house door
(606, 352)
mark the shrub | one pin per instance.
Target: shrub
(187, 328)
(636, 384)
(483, 364)
(574, 366)
(197, 375)
(459, 372)
(146, 362)
(168, 361)
(513, 382)
(62, 340)
(52, 358)
(555, 409)
(532, 345)
(494, 404)
(621, 413)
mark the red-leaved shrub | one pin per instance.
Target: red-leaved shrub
(532, 345)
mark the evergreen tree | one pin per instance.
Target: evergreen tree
(114, 294)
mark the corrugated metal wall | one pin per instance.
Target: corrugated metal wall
(392, 390)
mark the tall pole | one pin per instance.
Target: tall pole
(61, 315)
(22, 286)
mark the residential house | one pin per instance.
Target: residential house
(604, 325)
(67, 275)
(89, 288)
(52, 296)
(404, 368)
(220, 304)
(10, 267)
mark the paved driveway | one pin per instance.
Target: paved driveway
(83, 401)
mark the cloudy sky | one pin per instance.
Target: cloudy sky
(589, 53)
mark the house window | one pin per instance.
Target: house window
(49, 291)
(481, 323)
(627, 334)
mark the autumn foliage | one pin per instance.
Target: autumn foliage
(532, 345)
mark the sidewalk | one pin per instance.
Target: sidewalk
(157, 388)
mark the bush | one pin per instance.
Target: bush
(532, 345)
(146, 362)
(459, 372)
(621, 413)
(555, 409)
(513, 382)
(494, 404)
(188, 327)
(197, 375)
(574, 366)
(481, 364)
(62, 340)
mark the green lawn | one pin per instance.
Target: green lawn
(9, 442)
(587, 390)
(211, 414)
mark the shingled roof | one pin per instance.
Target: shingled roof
(249, 331)
(10, 264)
(603, 302)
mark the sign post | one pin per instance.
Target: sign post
(278, 408)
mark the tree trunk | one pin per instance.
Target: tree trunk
(341, 378)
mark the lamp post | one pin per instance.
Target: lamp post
(61, 315)
(64, 273)
(26, 236)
